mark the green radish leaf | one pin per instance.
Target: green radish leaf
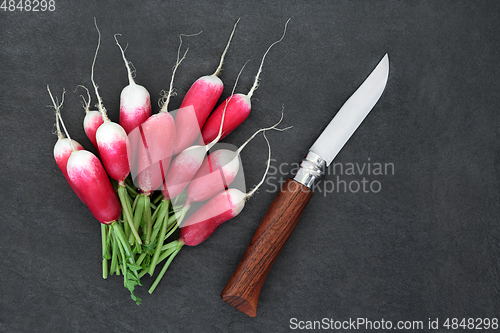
(134, 267)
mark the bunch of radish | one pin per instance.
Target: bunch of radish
(151, 169)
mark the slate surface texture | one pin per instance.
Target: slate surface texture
(421, 240)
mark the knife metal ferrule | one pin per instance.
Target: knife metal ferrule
(311, 170)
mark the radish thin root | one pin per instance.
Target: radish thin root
(217, 71)
(256, 82)
(86, 105)
(58, 115)
(164, 105)
(249, 194)
(101, 108)
(57, 107)
(263, 130)
(128, 64)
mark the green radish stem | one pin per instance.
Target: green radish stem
(140, 258)
(169, 245)
(164, 269)
(138, 213)
(127, 211)
(105, 251)
(128, 262)
(124, 266)
(158, 198)
(147, 217)
(175, 200)
(137, 248)
(142, 273)
(114, 257)
(163, 214)
(154, 219)
(130, 187)
(126, 226)
(123, 242)
(135, 203)
(131, 192)
(168, 252)
(176, 219)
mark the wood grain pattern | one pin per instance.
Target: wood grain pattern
(243, 289)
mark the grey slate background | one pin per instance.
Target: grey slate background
(425, 246)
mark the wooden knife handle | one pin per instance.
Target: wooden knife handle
(243, 289)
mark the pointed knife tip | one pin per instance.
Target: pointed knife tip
(385, 59)
(385, 63)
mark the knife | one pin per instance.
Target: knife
(243, 289)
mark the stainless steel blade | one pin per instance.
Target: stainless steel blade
(352, 113)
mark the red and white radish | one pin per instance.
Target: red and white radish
(135, 102)
(157, 141)
(153, 143)
(156, 138)
(222, 207)
(111, 138)
(89, 177)
(62, 152)
(181, 170)
(114, 148)
(202, 224)
(187, 163)
(90, 180)
(216, 173)
(64, 146)
(87, 173)
(237, 107)
(92, 121)
(196, 106)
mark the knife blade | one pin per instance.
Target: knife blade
(243, 289)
